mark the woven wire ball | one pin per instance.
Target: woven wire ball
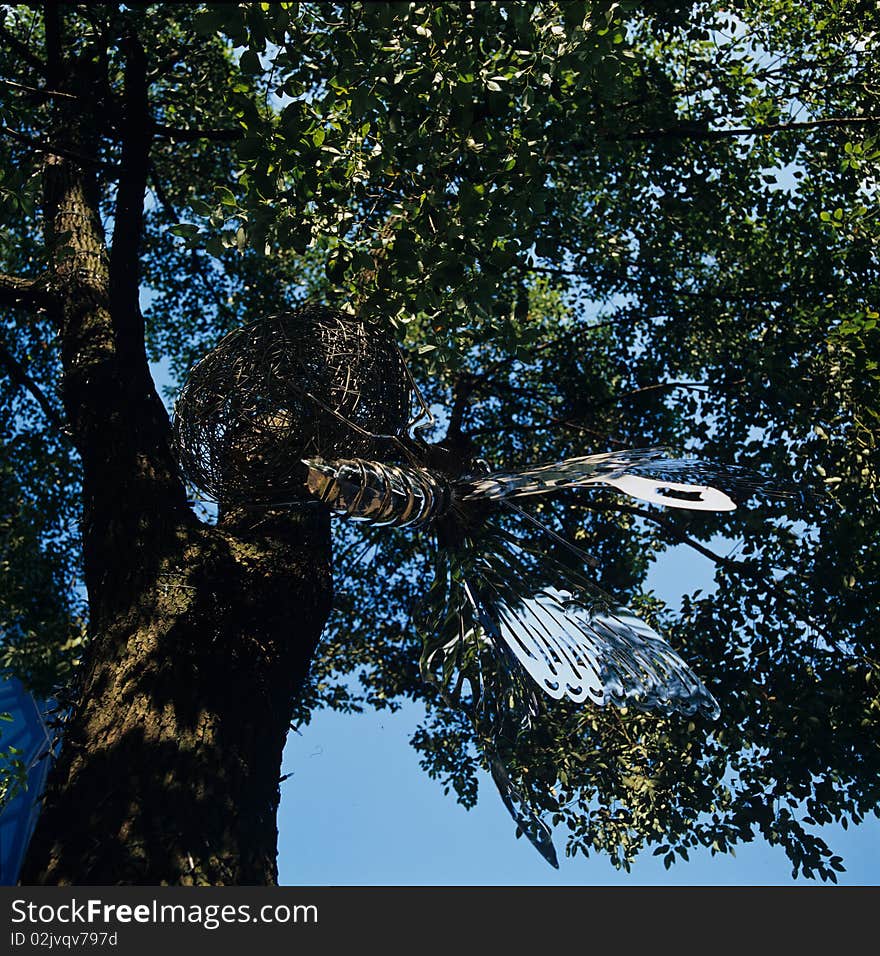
(313, 382)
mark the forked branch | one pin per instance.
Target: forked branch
(22, 291)
(18, 375)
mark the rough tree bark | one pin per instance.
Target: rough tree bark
(201, 636)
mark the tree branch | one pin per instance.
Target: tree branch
(726, 295)
(690, 131)
(128, 226)
(748, 569)
(552, 424)
(192, 135)
(19, 376)
(741, 567)
(462, 390)
(18, 291)
(44, 93)
(22, 49)
(52, 150)
(54, 58)
(661, 386)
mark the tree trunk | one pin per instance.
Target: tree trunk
(201, 636)
(170, 765)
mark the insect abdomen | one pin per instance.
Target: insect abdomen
(381, 494)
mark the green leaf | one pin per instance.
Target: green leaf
(250, 148)
(184, 229)
(250, 62)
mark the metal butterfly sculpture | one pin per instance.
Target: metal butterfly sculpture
(314, 405)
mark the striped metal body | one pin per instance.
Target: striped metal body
(379, 493)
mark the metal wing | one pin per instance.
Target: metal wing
(483, 680)
(573, 639)
(526, 818)
(494, 628)
(649, 474)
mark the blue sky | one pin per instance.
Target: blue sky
(358, 811)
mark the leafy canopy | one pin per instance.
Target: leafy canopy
(592, 225)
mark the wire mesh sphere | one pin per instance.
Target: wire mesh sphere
(313, 382)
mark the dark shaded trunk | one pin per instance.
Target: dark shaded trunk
(170, 766)
(201, 636)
